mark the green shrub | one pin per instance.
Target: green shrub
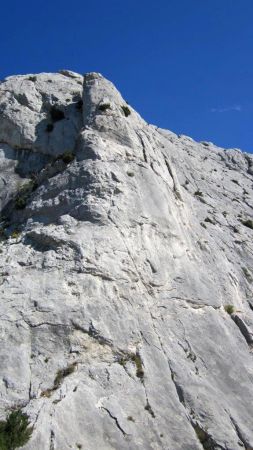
(138, 364)
(62, 373)
(32, 78)
(24, 193)
(68, 157)
(15, 432)
(20, 202)
(104, 106)
(15, 234)
(230, 309)
(136, 359)
(198, 193)
(126, 110)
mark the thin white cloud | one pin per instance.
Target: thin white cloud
(237, 108)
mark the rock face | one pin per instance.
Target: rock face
(126, 274)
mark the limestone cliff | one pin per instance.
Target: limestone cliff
(126, 274)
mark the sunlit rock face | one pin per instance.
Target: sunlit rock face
(126, 271)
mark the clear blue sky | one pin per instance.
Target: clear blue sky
(185, 65)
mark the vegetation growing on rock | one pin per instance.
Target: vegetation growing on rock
(16, 431)
(126, 110)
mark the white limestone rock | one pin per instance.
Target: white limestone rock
(117, 273)
(30, 118)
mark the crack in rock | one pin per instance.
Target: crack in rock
(115, 420)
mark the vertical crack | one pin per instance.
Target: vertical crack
(52, 440)
(115, 420)
(175, 184)
(143, 147)
(248, 336)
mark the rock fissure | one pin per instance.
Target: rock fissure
(115, 420)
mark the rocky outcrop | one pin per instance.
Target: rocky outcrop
(126, 312)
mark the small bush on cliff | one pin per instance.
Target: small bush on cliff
(68, 157)
(15, 234)
(126, 110)
(104, 106)
(198, 193)
(20, 202)
(230, 309)
(15, 432)
(25, 192)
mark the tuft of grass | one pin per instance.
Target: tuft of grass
(15, 432)
(32, 78)
(138, 363)
(104, 106)
(131, 419)
(230, 309)
(60, 375)
(126, 110)
(63, 373)
(15, 234)
(198, 193)
(136, 359)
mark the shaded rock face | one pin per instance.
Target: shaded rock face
(126, 313)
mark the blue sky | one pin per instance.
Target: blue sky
(185, 65)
